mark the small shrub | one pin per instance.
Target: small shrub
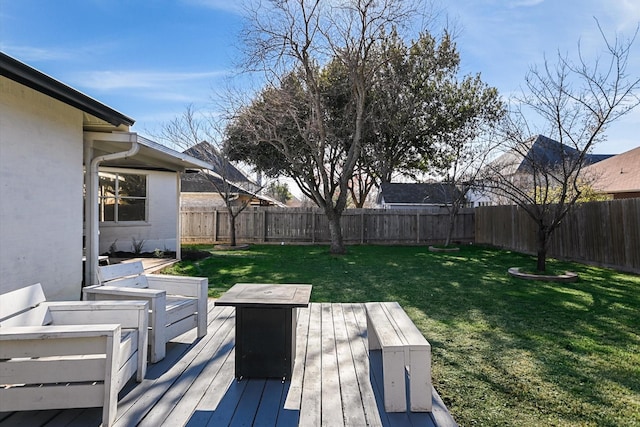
(113, 248)
(137, 245)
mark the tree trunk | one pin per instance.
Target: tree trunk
(452, 219)
(542, 249)
(335, 231)
(232, 227)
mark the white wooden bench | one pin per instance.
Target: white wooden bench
(74, 354)
(403, 347)
(177, 304)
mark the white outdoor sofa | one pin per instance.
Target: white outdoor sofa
(177, 304)
(70, 354)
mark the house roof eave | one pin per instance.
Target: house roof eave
(22, 73)
(151, 155)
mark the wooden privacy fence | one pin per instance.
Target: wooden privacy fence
(602, 233)
(310, 225)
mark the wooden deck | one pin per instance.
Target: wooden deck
(332, 384)
(150, 265)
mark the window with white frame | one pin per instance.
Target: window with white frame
(122, 197)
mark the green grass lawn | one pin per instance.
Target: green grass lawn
(505, 351)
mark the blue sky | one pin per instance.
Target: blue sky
(149, 59)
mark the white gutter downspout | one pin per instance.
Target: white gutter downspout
(91, 209)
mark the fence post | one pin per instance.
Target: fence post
(215, 226)
(264, 225)
(253, 236)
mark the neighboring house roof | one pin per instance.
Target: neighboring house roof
(205, 183)
(395, 193)
(210, 182)
(22, 73)
(208, 153)
(220, 170)
(617, 174)
(543, 151)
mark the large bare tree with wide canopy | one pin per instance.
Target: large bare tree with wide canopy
(301, 37)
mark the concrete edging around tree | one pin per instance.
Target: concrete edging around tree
(444, 249)
(239, 247)
(568, 276)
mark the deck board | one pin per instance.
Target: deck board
(311, 403)
(269, 407)
(330, 390)
(353, 410)
(357, 338)
(336, 381)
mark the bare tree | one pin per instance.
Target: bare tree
(574, 101)
(201, 136)
(302, 36)
(461, 146)
(459, 164)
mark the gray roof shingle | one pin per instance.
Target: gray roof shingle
(618, 174)
(543, 152)
(416, 193)
(208, 153)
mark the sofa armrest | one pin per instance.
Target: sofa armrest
(120, 292)
(25, 333)
(157, 301)
(193, 287)
(129, 314)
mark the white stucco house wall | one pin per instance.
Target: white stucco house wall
(158, 229)
(49, 135)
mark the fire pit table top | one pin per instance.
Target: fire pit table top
(263, 295)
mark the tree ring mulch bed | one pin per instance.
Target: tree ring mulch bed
(193, 255)
(231, 248)
(567, 277)
(443, 249)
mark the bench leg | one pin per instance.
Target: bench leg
(393, 375)
(372, 338)
(157, 328)
(202, 309)
(420, 380)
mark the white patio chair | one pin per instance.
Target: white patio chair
(73, 354)
(177, 304)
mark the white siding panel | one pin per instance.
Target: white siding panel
(41, 181)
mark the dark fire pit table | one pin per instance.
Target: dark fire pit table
(266, 319)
